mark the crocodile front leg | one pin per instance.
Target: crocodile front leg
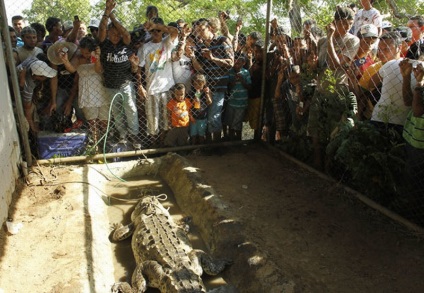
(123, 232)
(209, 265)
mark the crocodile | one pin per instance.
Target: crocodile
(163, 253)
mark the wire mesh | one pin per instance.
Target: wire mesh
(331, 87)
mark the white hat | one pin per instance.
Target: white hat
(369, 30)
(386, 24)
(94, 23)
(41, 68)
(67, 25)
(53, 53)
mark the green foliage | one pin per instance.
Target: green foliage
(65, 10)
(371, 160)
(132, 13)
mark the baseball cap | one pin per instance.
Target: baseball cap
(55, 49)
(368, 31)
(28, 30)
(405, 33)
(67, 25)
(386, 24)
(41, 68)
(94, 23)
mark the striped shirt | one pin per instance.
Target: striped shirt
(239, 95)
(413, 131)
(217, 76)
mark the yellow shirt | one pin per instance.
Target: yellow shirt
(368, 73)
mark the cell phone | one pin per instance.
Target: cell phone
(239, 19)
(65, 50)
(76, 18)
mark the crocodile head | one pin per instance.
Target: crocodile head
(149, 205)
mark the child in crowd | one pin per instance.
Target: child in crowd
(201, 99)
(179, 116)
(239, 86)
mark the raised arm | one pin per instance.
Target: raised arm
(110, 5)
(406, 71)
(126, 37)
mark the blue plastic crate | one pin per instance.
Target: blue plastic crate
(52, 144)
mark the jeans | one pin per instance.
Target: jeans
(124, 109)
(215, 111)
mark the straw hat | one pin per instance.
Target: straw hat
(54, 51)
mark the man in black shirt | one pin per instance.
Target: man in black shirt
(118, 63)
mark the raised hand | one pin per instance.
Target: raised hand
(419, 72)
(110, 5)
(405, 67)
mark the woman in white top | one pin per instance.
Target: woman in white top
(88, 85)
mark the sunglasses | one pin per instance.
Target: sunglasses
(155, 31)
(93, 29)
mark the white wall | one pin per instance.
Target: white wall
(10, 154)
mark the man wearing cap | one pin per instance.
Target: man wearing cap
(93, 26)
(67, 28)
(335, 56)
(368, 35)
(31, 72)
(406, 37)
(156, 61)
(29, 49)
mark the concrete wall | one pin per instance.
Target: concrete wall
(10, 154)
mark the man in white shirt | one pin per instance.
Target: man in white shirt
(390, 110)
(157, 63)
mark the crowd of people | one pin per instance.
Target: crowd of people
(179, 83)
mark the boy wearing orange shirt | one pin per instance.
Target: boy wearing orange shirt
(179, 116)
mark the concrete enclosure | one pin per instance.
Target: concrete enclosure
(10, 155)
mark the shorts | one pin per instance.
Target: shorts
(92, 113)
(199, 127)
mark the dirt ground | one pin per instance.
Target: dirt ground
(321, 238)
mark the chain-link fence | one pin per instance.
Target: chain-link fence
(327, 84)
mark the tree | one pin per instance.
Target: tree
(65, 10)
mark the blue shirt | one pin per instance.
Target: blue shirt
(238, 93)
